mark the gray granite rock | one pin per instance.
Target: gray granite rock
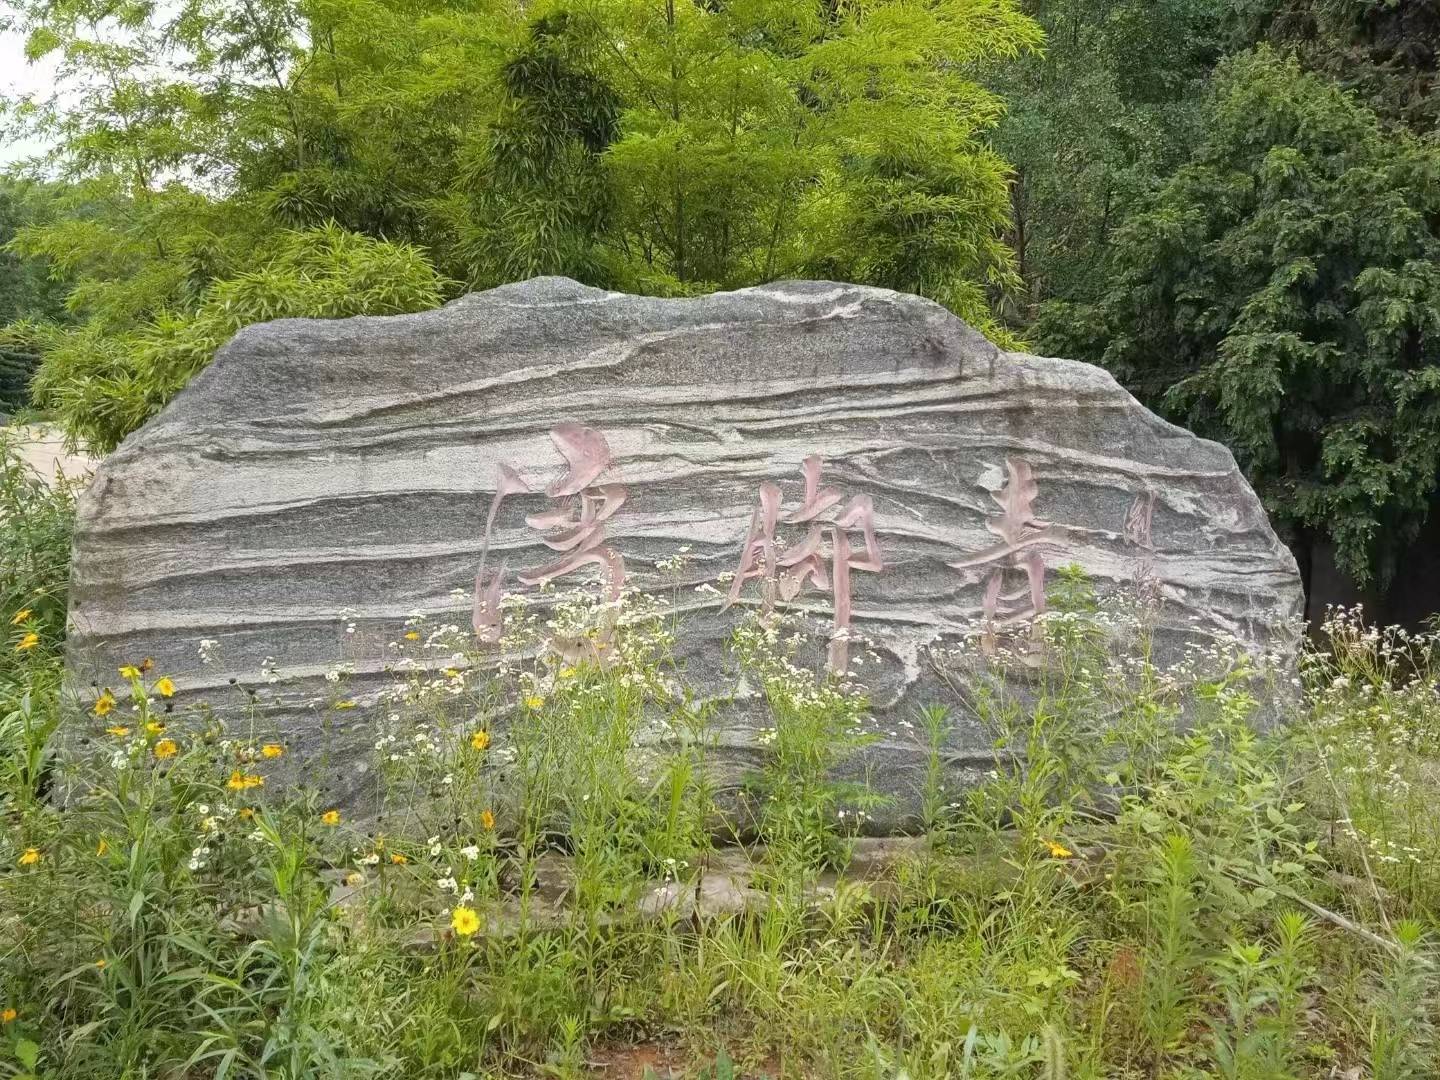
(321, 466)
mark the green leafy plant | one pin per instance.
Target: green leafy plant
(36, 520)
(1275, 293)
(544, 886)
(103, 385)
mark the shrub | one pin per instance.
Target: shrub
(36, 521)
(102, 385)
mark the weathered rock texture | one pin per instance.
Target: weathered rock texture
(318, 466)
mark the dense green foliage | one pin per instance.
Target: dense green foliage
(107, 383)
(1233, 206)
(683, 148)
(36, 520)
(673, 148)
(1108, 107)
(1386, 51)
(27, 290)
(1115, 104)
(1281, 292)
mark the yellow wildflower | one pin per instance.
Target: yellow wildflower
(118, 730)
(166, 748)
(567, 673)
(244, 782)
(105, 703)
(154, 727)
(7, 1015)
(487, 819)
(1058, 851)
(102, 849)
(331, 817)
(271, 750)
(534, 701)
(398, 859)
(344, 704)
(480, 740)
(20, 616)
(164, 687)
(452, 673)
(464, 921)
(100, 963)
(31, 857)
(129, 671)
(354, 878)
(412, 636)
(29, 641)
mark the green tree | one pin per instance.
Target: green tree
(772, 138)
(681, 147)
(1281, 292)
(351, 111)
(1386, 51)
(536, 196)
(1094, 124)
(133, 239)
(660, 147)
(196, 195)
(27, 291)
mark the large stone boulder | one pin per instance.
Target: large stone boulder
(852, 453)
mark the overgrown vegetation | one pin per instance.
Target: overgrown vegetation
(36, 520)
(26, 289)
(107, 383)
(671, 150)
(1232, 206)
(1278, 293)
(1132, 896)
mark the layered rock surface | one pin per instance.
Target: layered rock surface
(320, 467)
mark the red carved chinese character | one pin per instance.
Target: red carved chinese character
(582, 538)
(1019, 531)
(785, 574)
(579, 518)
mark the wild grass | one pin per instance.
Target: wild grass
(1153, 888)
